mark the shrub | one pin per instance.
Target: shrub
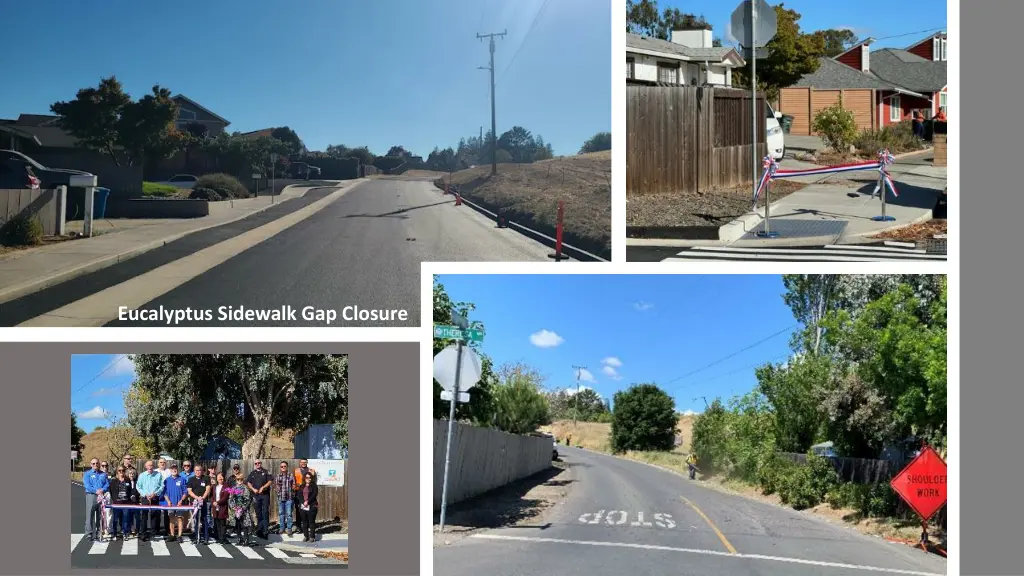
(837, 127)
(158, 190)
(205, 194)
(22, 230)
(896, 138)
(226, 186)
(644, 419)
(807, 485)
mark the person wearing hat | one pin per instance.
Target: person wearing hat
(175, 494)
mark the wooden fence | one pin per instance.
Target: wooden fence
(333, 500)
(42, 205)
(689, 138)
(870, 471)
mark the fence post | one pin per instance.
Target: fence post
(61, 198)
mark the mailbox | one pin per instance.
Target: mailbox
(82, 180)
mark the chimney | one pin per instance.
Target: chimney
(691, 38)
(865, 56)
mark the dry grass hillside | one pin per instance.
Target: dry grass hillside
(596, 436)
(96, 445)
(529, 195)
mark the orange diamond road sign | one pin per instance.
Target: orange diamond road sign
(922, 484)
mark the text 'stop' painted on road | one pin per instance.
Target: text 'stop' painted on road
(623, 518)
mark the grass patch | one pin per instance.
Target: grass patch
(715, 208)
(155, 190)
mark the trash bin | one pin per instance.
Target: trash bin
(99, 203)
(786, 122)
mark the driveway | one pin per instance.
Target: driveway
(795, 142)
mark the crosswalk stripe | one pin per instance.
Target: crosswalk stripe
(824, 251)
(307, 555)
(130, 548)
(904, 249)
(276, 553)
(219, 551)
(825, 254)
(75, 539)
(249, 553)
(160, 548)
(190, 549)
(98, 548)
(684, 257)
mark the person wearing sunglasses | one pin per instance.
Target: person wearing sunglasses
(96, 485)
(285, 484)
(259, 482)
(122, 491)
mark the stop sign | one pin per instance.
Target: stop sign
(922, 484)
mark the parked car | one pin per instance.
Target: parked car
(314, 172)
(17, 177)
(183, 181)
(297, 170)
(48, 177)
(774, 136)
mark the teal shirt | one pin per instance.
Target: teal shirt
(151, 483)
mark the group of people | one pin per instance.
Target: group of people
(211, 497)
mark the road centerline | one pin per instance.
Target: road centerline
(725, 541)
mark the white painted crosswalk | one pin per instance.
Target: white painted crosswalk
(184, 550)
(830, 253)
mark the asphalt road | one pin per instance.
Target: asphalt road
(158, 554)
(623, 517)
(362, 250)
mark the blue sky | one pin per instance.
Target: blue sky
(893, 25)
(633, 328)
(97, 381)
(401, 72)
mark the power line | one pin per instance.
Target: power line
(724, 358)
(730, 373)
(910, 33)
(116, 359)
(525, 38)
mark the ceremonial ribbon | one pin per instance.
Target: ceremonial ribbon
(772, 171)
(147, 507)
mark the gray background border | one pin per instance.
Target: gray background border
(989, 109)
(384, 431)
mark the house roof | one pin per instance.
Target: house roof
(679, 51)
(868, 41)
(833, 75)
(199, 106)
(36, 120)
(926, 39)
(257, 133)
(48, 135)
(908, 70)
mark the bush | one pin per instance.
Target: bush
(644, 419)
(22, 230)
(158, 190)
(205, 194)
(225, 185)
(807, 485)
(837, 127)
(897, 138)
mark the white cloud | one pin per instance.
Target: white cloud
(612, 361)
(546, 339)
(103, 392)
(572, 391)
(690, 413)
(611, 373)
(643, 306)
(96, 413)
(123, 367)
(586, 376)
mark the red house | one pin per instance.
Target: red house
(882, 87)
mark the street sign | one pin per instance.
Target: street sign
(255, 176)
(456, 333)
(760, 53)
(447, 395)
(446, 361)
(74, 454)
(922, 484)
(764, 30)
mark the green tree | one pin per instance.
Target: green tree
(810, 297)
(289, 137)
(341, 433)
(792, 390)
(519, 143)
(106, 119)
(519, 405)
(644, 418)
(674, 19)
(479, 408)
(710, 431)
(837, 41)
(642, 17)
(791, 55)
(398, 151)
(180, 401)
(76, 433)
(597, 142)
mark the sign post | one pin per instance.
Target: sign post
(922, 485)
(256, 180)
(454, 367)
(755, 22)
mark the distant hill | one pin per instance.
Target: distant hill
(596, 436)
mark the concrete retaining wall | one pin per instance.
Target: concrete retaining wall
(157, 208)
(484, 459)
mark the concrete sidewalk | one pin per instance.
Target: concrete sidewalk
(324, 542)
(25, 271)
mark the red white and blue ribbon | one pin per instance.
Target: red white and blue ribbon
(148, 507)
(773, 172)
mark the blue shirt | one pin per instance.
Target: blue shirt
(175, 488)
(150, 484)
(187, 475)
(94, 481)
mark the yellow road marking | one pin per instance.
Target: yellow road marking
(725, 541)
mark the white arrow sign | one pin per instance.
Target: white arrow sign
(445, 363)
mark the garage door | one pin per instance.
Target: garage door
(803, 103)
(794, 102)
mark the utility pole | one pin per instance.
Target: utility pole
(494, 123)
(576, 411)
(704, 399)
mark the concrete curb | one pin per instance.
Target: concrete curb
(37, 284)
(739, 227)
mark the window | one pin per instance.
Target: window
(630, 68)
(942, 101)
(943, 49)
(895, 112)
(185, 114)
(668, 73)
(938, 48)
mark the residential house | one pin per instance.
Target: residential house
(267, 132)
(688, 58)
(190, 111)
(881, 87)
